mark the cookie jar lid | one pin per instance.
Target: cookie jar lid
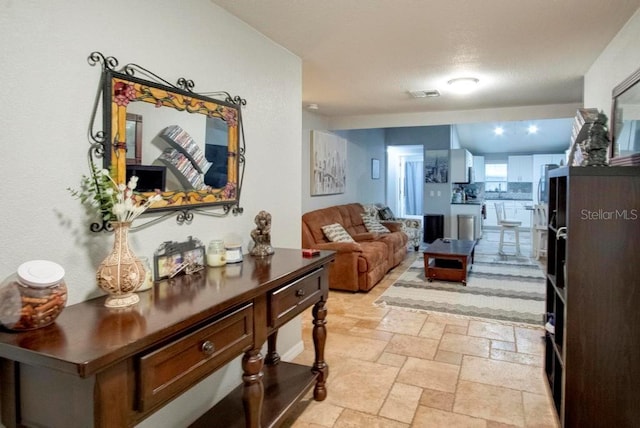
(40, 273)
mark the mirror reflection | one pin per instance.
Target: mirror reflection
(628, 115)
(626, 119)
(183, 145)
(193, 149)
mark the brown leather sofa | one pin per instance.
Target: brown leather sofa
(359, 265)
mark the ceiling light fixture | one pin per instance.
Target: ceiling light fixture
(532, 129)
(498, 130)
(429, 93)
(463, 85)
(313, 107)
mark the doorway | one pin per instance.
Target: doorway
(405, 188)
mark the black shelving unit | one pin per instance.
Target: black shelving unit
(592, 360)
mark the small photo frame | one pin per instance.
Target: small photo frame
(375, 169)
(171, 257)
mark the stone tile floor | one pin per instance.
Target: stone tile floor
(394, 368)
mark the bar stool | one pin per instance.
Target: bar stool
(540, 230)
(507, 225)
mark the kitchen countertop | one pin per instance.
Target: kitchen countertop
(510, 199)
(468, 203)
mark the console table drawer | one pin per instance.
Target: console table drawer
(173, 368)
(287, 302)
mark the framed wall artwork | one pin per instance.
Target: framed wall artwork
(328, 163)
(436, 166)
(375, 169)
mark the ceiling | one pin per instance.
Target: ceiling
(362, 57)
(552, 136)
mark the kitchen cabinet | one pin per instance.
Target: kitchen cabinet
(520, 169)
(461, 164)
(478, 169)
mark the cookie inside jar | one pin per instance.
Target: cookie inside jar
(33, 297)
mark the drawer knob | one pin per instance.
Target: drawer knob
(300, 293)
(207, 347)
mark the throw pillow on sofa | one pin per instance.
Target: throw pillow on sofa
(386, 213)
(336, 233)
(370, 210)
(373, 225)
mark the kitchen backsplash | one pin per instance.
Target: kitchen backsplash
(516, 190)
(474, 191)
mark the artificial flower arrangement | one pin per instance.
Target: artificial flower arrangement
(114, 202)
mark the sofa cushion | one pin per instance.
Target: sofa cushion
(336, 233)
(373, 225)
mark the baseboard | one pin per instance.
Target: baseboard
(293, 352)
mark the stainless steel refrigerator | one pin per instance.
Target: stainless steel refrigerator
(543, 184)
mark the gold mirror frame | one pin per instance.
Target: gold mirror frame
(119, 88)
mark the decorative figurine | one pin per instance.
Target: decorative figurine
(261, 235)
(595, 147)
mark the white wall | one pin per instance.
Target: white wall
(619, 60)
(48, 94)
(362, 146)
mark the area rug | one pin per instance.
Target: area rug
(487, 249)
(504, 292)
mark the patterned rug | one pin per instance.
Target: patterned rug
(505, 292)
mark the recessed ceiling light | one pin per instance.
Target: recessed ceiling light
(313, 107)
(532, 129)
(463, 85)
(498, 130)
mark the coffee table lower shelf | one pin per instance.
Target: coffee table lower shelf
(447, 270)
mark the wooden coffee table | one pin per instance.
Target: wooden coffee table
(448, 260)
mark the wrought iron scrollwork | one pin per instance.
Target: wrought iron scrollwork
(184, 216)
(186, 84)
(102, 143)
(107, 62)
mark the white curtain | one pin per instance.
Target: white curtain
(413, 187)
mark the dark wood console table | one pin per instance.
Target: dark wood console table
(113, 368)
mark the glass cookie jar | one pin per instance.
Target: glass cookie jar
(33, 297)
(216, 253)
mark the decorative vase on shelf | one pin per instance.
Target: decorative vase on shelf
(121, 273)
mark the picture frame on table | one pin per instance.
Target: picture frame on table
(172, 258)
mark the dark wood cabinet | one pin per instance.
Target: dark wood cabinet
(99, 367)
(592, 361)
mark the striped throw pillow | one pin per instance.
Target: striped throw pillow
(373, 225)
(336, 233)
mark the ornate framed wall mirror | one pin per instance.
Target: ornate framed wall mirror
(625, 122)
(191, 149)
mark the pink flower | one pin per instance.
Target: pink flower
(123, 93)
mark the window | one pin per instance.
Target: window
(495, 179)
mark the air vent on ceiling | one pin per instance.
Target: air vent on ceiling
(424, 94)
